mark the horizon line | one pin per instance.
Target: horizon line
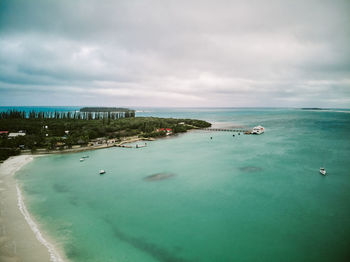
(216, 107)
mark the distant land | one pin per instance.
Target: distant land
(106, 109)
(313, 108)
(96, 127)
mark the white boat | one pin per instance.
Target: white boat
(82, 159)
(102, 172)
(323, 171)
(258, 130)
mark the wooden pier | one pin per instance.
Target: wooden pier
(236, 130)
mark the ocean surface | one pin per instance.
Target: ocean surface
(193, 198)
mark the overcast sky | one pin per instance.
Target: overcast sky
(175, 53)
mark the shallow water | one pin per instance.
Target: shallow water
(242, 198)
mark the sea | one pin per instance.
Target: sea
(204, 195)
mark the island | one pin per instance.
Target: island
(89, 128)
(313, 108)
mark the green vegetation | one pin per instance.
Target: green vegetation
(118, 112)
(7, 152)
(64, 132)
(85, 115)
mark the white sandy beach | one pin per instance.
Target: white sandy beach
(20, 238)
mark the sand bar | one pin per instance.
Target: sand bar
(20, 238)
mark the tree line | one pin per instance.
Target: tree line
(59, 132)
(15, 114)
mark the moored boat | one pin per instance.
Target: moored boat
(258, 130)
(323, 171)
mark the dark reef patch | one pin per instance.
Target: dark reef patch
(60, 188)
(74, 200)
(158, 176)
(250, 169)
(73, 252)
(151, 249)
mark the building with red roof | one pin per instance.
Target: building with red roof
(167, 130)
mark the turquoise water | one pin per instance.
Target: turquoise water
(242, 198)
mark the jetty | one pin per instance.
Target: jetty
(130, 146)
(236, 130)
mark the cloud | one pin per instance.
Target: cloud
(175, 53)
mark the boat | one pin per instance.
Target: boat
(323, 171)
(82, 159)
(102, 172)
(258, 130)
(85, 157)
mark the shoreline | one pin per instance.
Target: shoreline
(20, 237)
(127, 140)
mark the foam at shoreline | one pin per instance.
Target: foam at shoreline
(54, 256)
(20, 232)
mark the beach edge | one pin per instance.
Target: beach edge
(20, 236)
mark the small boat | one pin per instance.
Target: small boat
(102, 172)
(323, 171)
(82, 159)
(258, 130)
(85, 157)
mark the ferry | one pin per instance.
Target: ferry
(258, 130)
(102, 172)
(323, 171)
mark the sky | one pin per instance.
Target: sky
(181, 53)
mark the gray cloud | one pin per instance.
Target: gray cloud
(175, 53)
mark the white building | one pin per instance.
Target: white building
(11, 135)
